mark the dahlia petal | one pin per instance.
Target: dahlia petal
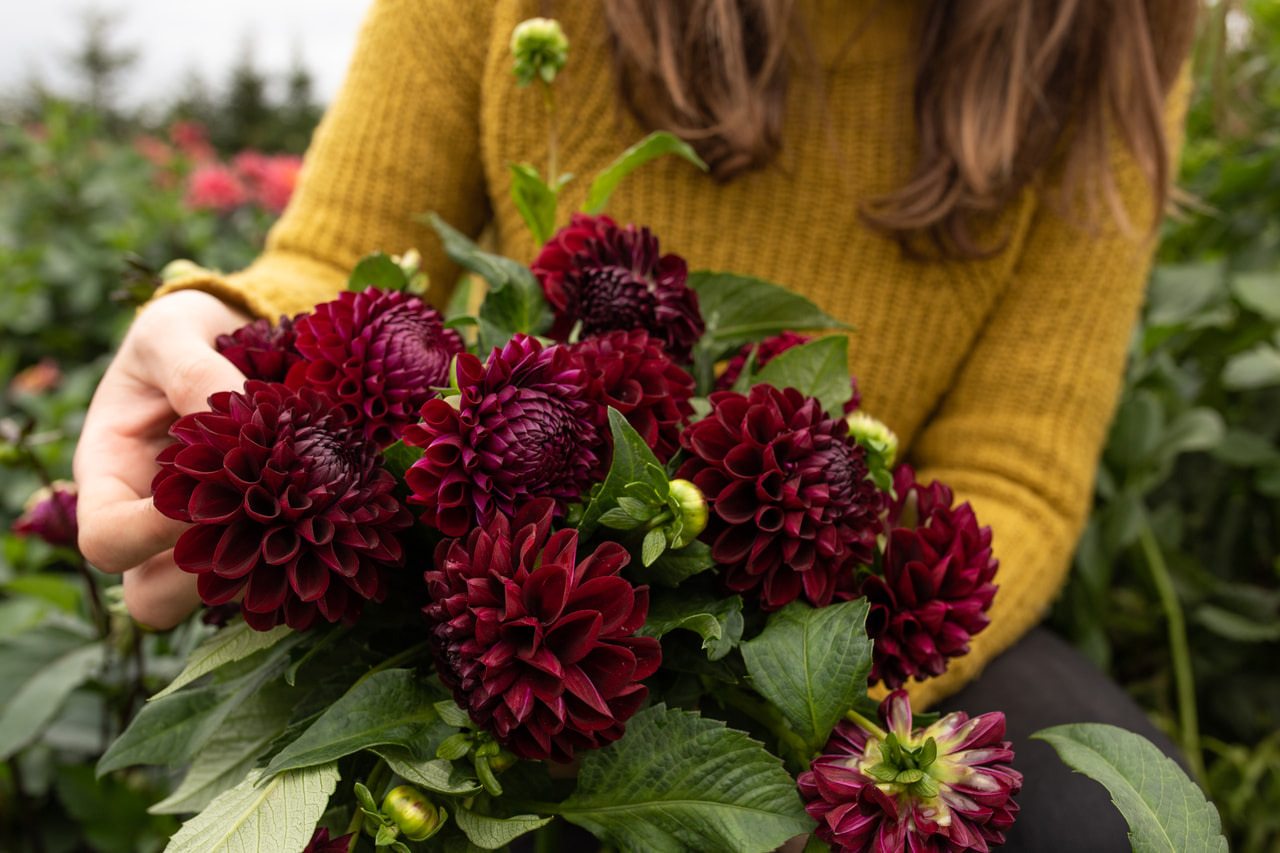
(261, 621)
(267, 589)
(195, 547)
(546, 592)
(580, 686)
(612, 598)
(308, 577)
(238, 550)
(280, 545)
(575, 635)
(216, 590)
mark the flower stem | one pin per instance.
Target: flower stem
(1183, 676)
(549, 102)
(377, 778)
(859, 720)
(769, 717)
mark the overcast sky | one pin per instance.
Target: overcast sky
(174, 37)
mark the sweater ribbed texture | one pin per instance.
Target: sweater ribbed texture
(999, 375)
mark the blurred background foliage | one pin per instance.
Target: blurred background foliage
(1176, 587)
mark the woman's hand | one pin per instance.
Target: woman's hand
(167, 366)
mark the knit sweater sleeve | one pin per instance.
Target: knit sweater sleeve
(1020, 432)
(402, 138)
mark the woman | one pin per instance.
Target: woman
(973, 184)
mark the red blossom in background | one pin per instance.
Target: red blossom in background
(290, 504)
(610, 278)
(214, 186)
(191, 140)
(522, 428)
(268, 179)
(966, 804)
(765, 351)
(379, 354)
(260, 350)
(936, 583)
(537, 647)
(50, 514)
(631, 372)
(792, 508)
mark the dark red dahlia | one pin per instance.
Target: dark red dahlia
(521, 428)
(959, 797)
(936, 585)
(321, 843)
(610, 278)
(539, 648)
(262, 351)
(289, 504)
(765, 352)
(631, 372)
(792, 508)
(380, 354)
(50, 514)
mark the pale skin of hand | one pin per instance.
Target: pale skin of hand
(167, 366)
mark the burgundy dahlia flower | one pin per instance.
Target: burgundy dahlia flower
(631, 372)
(792, 508)
(610, 278)
(936, 585)
(539, 648)
(289, 504)
(380, 354)
(321, 843)
(521, 428)
(946, 788)
(765, 352)
(50, 514)
(260, 350)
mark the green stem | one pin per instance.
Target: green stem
(394, 661)
(547, 839)
(377, 778)
(1184, 678)
(859, 720)
(769, 717)
(549, 101)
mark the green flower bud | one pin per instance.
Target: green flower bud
(540, 48)
(693, 511)
(874, 435)
(414, 814)
(181, 268)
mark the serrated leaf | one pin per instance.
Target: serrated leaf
(673, 568)
(1166, 811)
(654, 145)
(535, 201)
(376, 270)
(677, 782)
(812, 664)
(739, 309)
(1255, 368)
(717, 620)
(655, 542)
(493, 833)
(33, 703)
(435, 774)
(631, 458)
(817, 369)
(390, 707)
(234, 642)
(282, 811)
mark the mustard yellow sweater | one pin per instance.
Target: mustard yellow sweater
(1000, 376)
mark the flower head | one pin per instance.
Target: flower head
(380, 354)
(765, 352)
(321, 843)
(946, 788)
(214, 186)
(289, 504)
(521, 428)
(631, 372)
(538, 647)
(609, 278)
(792, 509)
(541, 50)
(50, 514)
(936, 585)
(260, 350)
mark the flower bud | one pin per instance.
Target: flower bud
(50, 513)
(874, 435)
(181, 268)
(693, 511)
(414, 814)
(540, 48)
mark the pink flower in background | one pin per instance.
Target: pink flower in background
(51, 515)
(277, 182)
(39, 378)
(191, 140)
(154, 150)
(213, 186)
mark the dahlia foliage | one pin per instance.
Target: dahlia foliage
(603, 522)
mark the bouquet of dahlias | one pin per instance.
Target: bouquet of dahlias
(619, 550)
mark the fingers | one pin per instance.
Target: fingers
(158, 594)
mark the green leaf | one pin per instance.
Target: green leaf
(399, 458)
(1122, 520)
(812, 664)
(234, 642)
(493, 833)
(453, 747)
(376, 270)
(1235, 626)
(631, 461)
(535, 200)
(717, 620)
(654, 145)
(229, 755)
(817, 369)
(678, 782)
(390, 707)
(1177, 293)
(739, 309)
(1259, 292)
(673, 568)
(1255, 368)
(1241, 448)
(278, 814)
(1194, 430)
(62, 592)
(386, 835)
(435, 774)
(1136, 431)
(452, 715)
(655, 542)
(1166, 811)
(33, 703)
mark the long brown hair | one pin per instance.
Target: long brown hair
(1001, 87)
